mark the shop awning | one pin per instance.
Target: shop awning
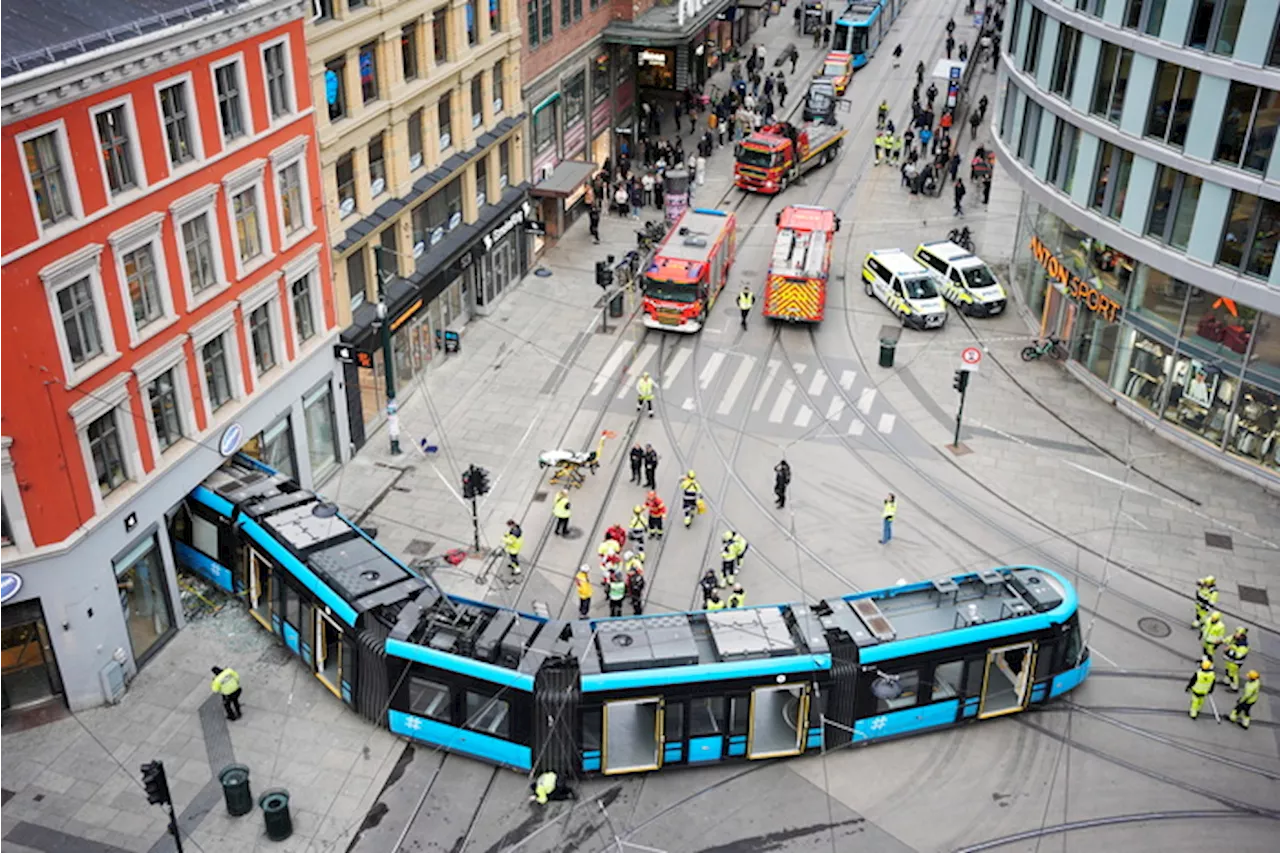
(753, 4)
(565, 180)
(661, 25)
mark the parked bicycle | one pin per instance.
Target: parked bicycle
(1051, 347)
(962, 238)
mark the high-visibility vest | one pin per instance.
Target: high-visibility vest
(738, 546)
(745, 300)
(226, 682)
(512, 543)
(715, 605)
(890, 510)
(1204, 682)
(1207, 596)
(690, 488)
(637, 522)
(584, 588)
(617, 590)
(1251, 689)
(608, 548)
(561, 509)
(546, 785)
(1213, 632)
(737, 599)
(644, 388)
(1236, 651)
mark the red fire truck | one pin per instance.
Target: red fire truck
(771, 158)
(689, 270)
(796, 289)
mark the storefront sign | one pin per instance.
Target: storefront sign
(1072, 285)
(651, 57)
(10, 583)
(502, 230)
(232, 438)
(405, 315)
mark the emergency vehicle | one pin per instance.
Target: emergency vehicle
(796, 288)
(689, 270)
(772, 157)
(905, 287)
(838, 68)
(964, 279)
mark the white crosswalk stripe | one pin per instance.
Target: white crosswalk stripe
(856, 427)
(803, 417)
(799, 368)
(771, 372)
(709, 370)
(886, 423)
(865, 399)
(606, 373)
(835, 410)
(846, 379)
(637, 369)
(673, 371)
(687, 405)
(784, 400)
(819, 383)
(736, 385)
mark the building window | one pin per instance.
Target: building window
(323, 9)
(1144, 15)
(377, 167)
(274, 448)
(335, 87)
(144, 600)
(289, 181)
(177, 123)
(386, 255)
(217, 372)
(304, 321)
(532, 7)
(482, 181)
(440, 34)
(444, 116)
(1102, 176)
(197, 244)
(1249, 238)
(353, 5)
(477, 101)
(439, 214)
(44, 167)
(107, 453)
(546, 20)
(264, 354)
(504, 164)
(1273, 55)
(544, 129)
(1171, 103)
(322, 432)
(143, 286)
(1173, 207)
(1248, 127)
(1035, 32)
(1066, 58)
(566, 14)
(244, 206)
(577, 10)
(1010, 108)
(473, 22)
(1113, 79)
(345, 173)
(356, 283)
(117, 153)
(1029, 139)
(575, 100)
(600, 79)
(164, 410)
(369, 72)
(495, 16)
(80, 322)
(414, 126)
(1111, 181)
(1215, 25)
(409, 50)
(498, 82)
(230, 103)
(279, 97)
(1062, 154)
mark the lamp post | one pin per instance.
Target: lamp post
(393, 417)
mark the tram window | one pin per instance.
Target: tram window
(973, 676)
(292, 604)
(673, 722)
(1045, 659)
(430, 699)
(488, 714)
(706, 716)
(1074, 645)
(591, 723)
(946, 679)
(739, 714)
(909, 682)
(350, 662)
(817, 707)
(204, 536)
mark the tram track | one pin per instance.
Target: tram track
(1100, 822)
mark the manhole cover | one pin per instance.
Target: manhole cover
(1218, 540)
(1153, 627)
(1254, 595)
(419, 547)
(539, 497)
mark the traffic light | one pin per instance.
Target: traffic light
(961, 381)
(480, 480)
(604, 275)
(468, 485)
(153, 779)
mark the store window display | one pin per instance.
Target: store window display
(1255, 427)
(1158, 297)
(1201, 394)
(1150, 368)
(1220, 326)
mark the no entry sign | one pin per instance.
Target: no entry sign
(970, 357)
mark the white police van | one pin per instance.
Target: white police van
(905, 287)
(963, 278)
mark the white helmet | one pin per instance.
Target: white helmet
(628, 555)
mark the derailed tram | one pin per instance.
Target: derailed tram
(627, 694)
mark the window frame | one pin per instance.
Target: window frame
(111, 399)
(248, 178)
(482, 180)
(1109, 104)
(202, 202)
(66, 271)
(339, 184)
(171, 357)
(219, 324)
(533, 11)
(265, 294)
(379, 138)
(1069, 38)
(1180, 181)
(496, 88)
(1179, 81)
(440, 36)
(409, 30)
(343, 101)
(477, 103)
(144, 233)
(444, 136)
(1214, 31)
(504, 165)
(246, 110)
(1250, 127)
(290, 87)
(196, 141)
(306, 265)
(1035, 35)
(292, 154)
(75, 208)
(1248, 242)
(366, 100)
(133, 149)
(415, 126)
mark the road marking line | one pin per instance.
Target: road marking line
(856, 427)
(836, 409)
(736, 385)
(865, 399)
(819, 383)
(677, 364)
(846, 379)
(799, 368)
(886, 423)
(606, 372)
(687, 405)
(770, 373)
(803, 416)
(784, 400)
(709, 371)
(637, 368)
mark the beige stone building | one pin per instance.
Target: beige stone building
(422, 155)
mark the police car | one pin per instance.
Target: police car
(906, 288)
(964, 280)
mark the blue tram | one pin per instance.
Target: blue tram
(862, 26)
(623, 695)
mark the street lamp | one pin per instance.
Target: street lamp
(393, 418)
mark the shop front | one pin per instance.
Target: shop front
(561, 196)
(1204, 367)
(677, 47)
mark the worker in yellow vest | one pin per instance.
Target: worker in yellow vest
(583, 583)
(745, 300)
(512, 542)
(887, 515)
(1206, 598)
(1237, 650)
(561, 510)
(1200, 686)
(644, 392)
(1213, 634)
(1252, 687)
(226, 683)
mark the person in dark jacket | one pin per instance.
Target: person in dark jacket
(781, 479)
(650, 467)
(637, 462)
(959, 191)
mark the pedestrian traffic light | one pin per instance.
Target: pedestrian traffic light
(961, 381)
(479, 480)
(604, 275)
(468, 485)
(157, 786)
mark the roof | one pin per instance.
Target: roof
(948, 251)
(40, 32)
(897, 261)
(704, 228)
(567, 177)
(807, 217)
(660, 26)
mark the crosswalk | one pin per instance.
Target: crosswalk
(795, 397)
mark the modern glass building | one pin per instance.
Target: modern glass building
(1142, 133)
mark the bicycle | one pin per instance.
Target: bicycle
(1050, 346)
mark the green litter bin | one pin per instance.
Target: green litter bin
(235, 789)
(615, 305)
(888, 343)
(275, 814)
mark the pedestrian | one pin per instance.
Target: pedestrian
(714, 602)
(925, 136)
(548, 787)
(512, 542)
(636, 199)
(795, 57)
(796, 16)
(919, 73)
(958, 191)
(636, 528)
(561, 509)
(226, 683)
(738, 598)
(700, 168)
(737, 545)
(1200, 686)
(644, 392)
(781, 480)
(826, 35)
(1252, 687)
(637, 462)
(582, 581)
(930, 95)
(690, 495)
(951, 45)
(879, 143)
(708, 584)
(886, 516)
(617, 591)
(817, 36)
(1237, 651)
(995, 52)
(895, 147)
(657, 511)
(982, 108)
(728, 564)
(882, 115)
(1206, 598)
(650, 467)
(974, 121)
(986, 189)
(593, 222)
(964, 51)
(745, 300)
(782, 91)
(768, 85)
(1213, 634)
(646, 186)
(620, 199)
(953, 165)
(951, 26)
(635, 583)
(897, 56)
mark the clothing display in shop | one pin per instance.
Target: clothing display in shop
(1256, 425)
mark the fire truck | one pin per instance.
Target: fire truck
(772, 157)
(689, 270)
(796, 289)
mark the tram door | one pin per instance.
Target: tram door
(779, 716)
(260, 588)
(1006, 684)
(632, 735)
(329, 653)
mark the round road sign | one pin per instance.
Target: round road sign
(971, 355)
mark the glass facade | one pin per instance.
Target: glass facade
(140, 584)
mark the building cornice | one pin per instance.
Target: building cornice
(47, 87)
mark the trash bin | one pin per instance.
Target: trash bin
(275, 814)
(888, 343)
(235, 789)
(615, 305)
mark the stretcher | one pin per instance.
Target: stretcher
(571, 466)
